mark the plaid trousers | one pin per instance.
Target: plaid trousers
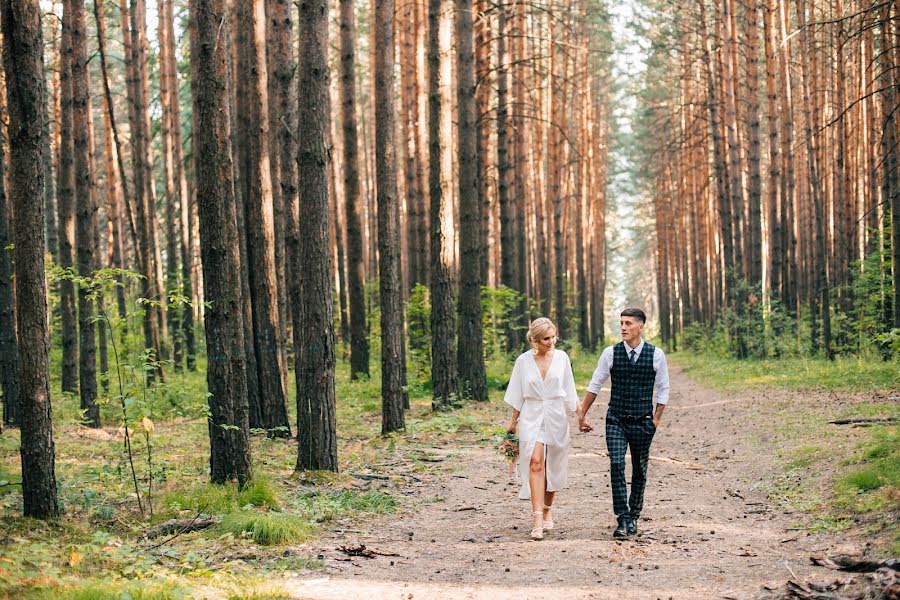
(622, 433)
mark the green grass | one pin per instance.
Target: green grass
(322, 506)
(220, 499)
(267, 529)
(850, 373)
(112, 590)
(873, 482)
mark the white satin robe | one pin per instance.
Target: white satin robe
(547, 403)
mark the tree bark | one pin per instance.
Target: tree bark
(117, 181)
(173, 188)
(443, 318)
(312, 302)
(775, 200)
(23, 48)
(253, 131)
(359, 343)
(754, 187)
(226, 371)
(66, 208)
(283, 123)
(9, 358)
(390, 286)
(890, 186)
(144, 200)
(86, 213)
(470, 349)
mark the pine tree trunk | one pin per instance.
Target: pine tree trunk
(409, 100)
(789, 262)
(283, 122)
(226, 371)
(754, 188)
(775, 200)
(253, 131)
(890, 182)
(117, 182)
(483, 45)
(732, 120)
(443, 318)
(508, 258)
(816, 195)
(23, 48)
(390, 286)
(470, 351)
(719, 161)
(66, 208)
(86, 213)
(144, 201)
(312, 302)
(185, 227)
(171, 194)
(359, 344)
(9, 358)
(555, 162)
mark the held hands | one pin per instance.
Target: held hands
(583, 425)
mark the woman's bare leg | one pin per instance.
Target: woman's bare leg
(548, 502)
(537, 481)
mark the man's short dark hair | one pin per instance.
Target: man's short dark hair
(636, 313)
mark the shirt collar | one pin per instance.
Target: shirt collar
(637, 348)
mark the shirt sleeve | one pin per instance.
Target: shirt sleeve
(514, 392)
(601, 373)
(662, 376)
(569, 387)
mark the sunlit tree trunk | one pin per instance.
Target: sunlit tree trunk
(312, 302)
(443, 317)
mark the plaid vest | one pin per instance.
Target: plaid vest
(632, 384)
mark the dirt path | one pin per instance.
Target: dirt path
(707, 530)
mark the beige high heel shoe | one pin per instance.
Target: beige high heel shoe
(548, 523)
(538, 532)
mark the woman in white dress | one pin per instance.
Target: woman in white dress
(542, 394)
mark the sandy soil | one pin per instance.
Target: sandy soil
(708, 530)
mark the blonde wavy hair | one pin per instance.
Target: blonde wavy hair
(538, 329)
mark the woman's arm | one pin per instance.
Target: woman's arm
(513, 421)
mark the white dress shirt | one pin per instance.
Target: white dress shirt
(660, 384)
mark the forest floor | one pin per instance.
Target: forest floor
(720, 518)
(745, 485)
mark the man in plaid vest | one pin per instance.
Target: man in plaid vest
(636, 368)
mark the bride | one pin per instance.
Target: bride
(542, 394)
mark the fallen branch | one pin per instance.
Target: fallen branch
(848, 563)
(180, 525)
(865, 421)
(361, 550)
(369, 476)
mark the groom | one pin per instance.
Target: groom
(637, 368)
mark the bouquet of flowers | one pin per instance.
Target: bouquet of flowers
(509, 448)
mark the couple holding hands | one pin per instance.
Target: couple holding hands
(542, 394)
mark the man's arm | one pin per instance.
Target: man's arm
(662, 386)
(601, 374)
(583, 425)
(657, 416)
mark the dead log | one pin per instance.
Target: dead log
(180, 526)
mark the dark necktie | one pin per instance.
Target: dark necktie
(633, 356)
